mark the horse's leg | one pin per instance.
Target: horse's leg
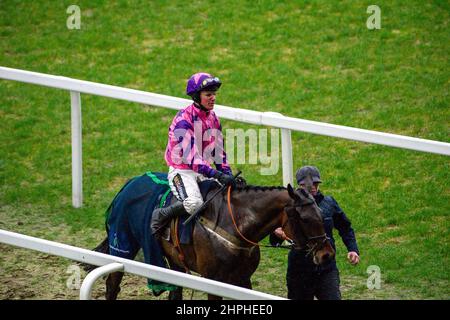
(176, 294)
(113, 285)
(213, 297)
(246, 284)
(114, 279)
(243, 283)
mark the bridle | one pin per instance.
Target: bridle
(310, 249)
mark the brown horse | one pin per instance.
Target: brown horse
(227, 251)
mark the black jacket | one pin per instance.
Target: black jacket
(333, 217)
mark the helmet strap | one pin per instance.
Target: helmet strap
(196, 97)
(198, 105)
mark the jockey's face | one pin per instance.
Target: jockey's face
(314, 189)
(207, 99)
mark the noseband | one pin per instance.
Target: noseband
(312, 249)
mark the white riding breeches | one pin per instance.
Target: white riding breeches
(184, 185)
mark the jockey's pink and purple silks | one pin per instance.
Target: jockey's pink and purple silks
(196, 141)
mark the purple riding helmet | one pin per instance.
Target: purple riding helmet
(200, 82)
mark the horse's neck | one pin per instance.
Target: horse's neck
(259, 212)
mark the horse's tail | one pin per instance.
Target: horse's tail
(103, 247)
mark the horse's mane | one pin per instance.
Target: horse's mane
(259, 188)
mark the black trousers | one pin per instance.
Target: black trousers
(307, 283)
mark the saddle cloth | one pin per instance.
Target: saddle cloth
(129, 215)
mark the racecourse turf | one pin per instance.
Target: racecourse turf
(314, 60)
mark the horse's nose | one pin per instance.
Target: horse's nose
(325, 257)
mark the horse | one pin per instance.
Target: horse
(225, 238)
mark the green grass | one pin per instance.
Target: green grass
(313, 59)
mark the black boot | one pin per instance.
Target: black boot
(161, 216)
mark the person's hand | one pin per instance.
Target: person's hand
(224, 179)
(353, 257)
(280, 233)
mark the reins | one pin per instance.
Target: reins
(230, 211)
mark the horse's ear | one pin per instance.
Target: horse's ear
(308, 183)
(291, 192)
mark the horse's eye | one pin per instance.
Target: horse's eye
(291, 211)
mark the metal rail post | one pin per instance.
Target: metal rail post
(88, 282)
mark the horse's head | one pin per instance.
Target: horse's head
(305, 225)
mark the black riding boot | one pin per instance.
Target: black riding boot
(161, 216)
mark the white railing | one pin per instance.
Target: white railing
(110, 264)
(286, 124)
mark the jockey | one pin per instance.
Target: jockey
(195, 140)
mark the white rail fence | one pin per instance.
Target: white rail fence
(111, 263)
(286, 124)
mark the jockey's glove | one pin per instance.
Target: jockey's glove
(224, 179)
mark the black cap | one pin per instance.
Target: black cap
(305, 171)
